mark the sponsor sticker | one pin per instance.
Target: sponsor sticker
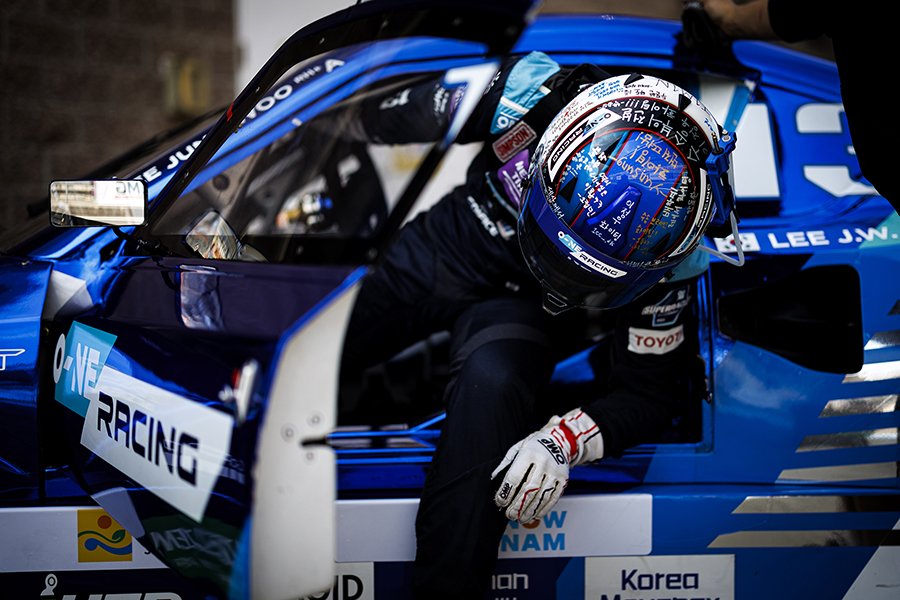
(749, 243)
(352, 581)
(594, 264)
(565, 147)
(657, 577)
(569, 243)
(171, 445)
(573, 528)
(77, 362)
(67, 539)
(101, 538)
(654, 341)
(513, 175)
(667, 310)
(514, 140)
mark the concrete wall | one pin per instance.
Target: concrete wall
(81, 81)
(261, 26)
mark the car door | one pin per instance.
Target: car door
(194, 381)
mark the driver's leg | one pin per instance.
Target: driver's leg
(502, 359)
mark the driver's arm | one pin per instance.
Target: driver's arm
(655, 367)
(418, 113)
(749, 21)
(422, 112)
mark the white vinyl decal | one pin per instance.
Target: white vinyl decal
(171, 445)
(654, 341)
(383, 530)
(48, 539)
(588, 260)
(352, 581)
(658, 577)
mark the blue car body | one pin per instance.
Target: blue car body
(783, 482)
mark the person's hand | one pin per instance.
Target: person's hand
(539, 465)
(745, 21)
(538, 474)
(717, 10)
(703, 23)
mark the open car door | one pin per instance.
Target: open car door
(195, 374)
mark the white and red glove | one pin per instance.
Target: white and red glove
(539, 465)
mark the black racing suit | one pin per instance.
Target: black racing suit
(458, 267)
(863, 40)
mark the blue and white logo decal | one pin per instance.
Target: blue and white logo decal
(77, 362)
(569, 242)
(523, 89)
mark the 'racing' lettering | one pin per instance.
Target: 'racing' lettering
(115, 416)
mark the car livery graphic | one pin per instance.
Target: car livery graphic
(169, 380)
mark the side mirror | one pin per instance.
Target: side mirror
(103, 203)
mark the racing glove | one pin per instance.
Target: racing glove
(539, 465)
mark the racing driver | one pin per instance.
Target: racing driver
(590, 196)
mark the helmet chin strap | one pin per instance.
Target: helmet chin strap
(552, 303)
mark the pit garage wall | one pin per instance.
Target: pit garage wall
(82, 82)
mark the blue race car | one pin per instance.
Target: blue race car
(171, 346)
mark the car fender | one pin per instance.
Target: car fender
(22, 296)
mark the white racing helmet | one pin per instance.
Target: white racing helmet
(622, 187)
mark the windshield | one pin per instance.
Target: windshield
(318, 165)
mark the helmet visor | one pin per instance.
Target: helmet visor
(570, 271)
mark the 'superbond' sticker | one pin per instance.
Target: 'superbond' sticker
(666, 311)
